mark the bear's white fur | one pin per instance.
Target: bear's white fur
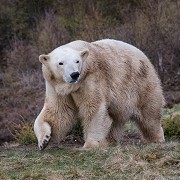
(103, 83)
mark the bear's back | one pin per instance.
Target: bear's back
(121, 56)
(121, 48)
(109, 45)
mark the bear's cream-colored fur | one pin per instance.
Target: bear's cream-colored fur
(114, 82)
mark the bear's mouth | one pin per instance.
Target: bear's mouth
(73, 81)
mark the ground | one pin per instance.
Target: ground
(153, 161)
(130, 160)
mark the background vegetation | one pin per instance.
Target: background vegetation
(30, 28)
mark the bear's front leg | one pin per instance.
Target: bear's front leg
(55, 121)
(42, 130)
(96, 127)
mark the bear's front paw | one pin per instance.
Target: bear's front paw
(95, 144)
(44, 142)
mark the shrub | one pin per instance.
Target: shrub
(171, 126)
(23, 133)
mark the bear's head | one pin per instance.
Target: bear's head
(65, 63)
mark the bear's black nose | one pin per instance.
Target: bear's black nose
(75, 75)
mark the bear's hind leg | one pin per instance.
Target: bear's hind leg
(150, 126)
(115, 135)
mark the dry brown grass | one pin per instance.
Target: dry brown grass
(23, 133)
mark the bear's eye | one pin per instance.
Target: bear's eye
(61, 63)
(77, 61)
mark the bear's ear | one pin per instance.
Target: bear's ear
(84, 53)
(44, 59)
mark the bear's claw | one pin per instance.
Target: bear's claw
(44, 143)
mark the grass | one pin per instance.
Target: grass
(128, 161)
(154, 161)
(168, 112)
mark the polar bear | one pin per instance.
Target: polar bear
(105, 84)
